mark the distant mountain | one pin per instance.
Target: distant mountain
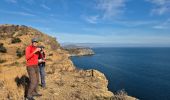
(75, 50)
(83, 45)
(70, 46)
(95, 45)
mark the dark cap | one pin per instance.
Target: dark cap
(34, 40)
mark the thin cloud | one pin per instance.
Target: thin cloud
(26, 9)
(45, 7)
(11, 1)
(16, 1)
(92, 19)
(160, 6)
(17, 13)
(136, 23)
(111, 8)
(30, 1)
(164, 25)
(107, 10)
(24, 13)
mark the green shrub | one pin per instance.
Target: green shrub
(2, 48)
(20, 52)
(15, 40)
(1, 44)
(14, 64)
(2, 61)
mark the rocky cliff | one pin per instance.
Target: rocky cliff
(80, 51)
(64, 80)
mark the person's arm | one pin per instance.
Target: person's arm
(44, 56)
(28, 54)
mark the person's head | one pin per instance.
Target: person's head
(34, 42)
(42, 47)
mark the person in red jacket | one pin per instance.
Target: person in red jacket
(31, 54)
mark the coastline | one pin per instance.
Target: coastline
(80, 52)
(65, 81)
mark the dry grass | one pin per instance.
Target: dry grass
(62, 78)
(9, 89)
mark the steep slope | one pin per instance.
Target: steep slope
(64, 81)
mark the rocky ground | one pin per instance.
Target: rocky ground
(64, 80)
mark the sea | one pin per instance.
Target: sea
(143, 72)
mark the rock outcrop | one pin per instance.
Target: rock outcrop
(64, 81)
(80, 51)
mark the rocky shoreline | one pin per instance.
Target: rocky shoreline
(80, 51)
(64, 80)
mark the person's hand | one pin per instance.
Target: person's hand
(43, 60)
(40, 60)
(37, 49)
(43, 50)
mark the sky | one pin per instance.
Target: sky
(139, 22)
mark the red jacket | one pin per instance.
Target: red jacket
(31, 58)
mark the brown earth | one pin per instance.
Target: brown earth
(64, 80)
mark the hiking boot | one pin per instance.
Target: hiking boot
(43, 86)
(30, 98)
(37, 94)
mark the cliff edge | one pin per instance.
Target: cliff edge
(64, 80)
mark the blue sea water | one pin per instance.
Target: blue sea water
(142, 72)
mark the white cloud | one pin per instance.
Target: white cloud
(160, 11)
(30, 1)
(17, 13)
(24, 13)
(158, 2)
(111, 8)
(45, 7)
(160, 6)
(16, 1)
(134, 23)
(164, 25)
(12, 1)
(92, 19)
(106, 10)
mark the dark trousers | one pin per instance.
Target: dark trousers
(42, 73)
(33, 73)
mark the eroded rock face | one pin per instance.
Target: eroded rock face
(64, 81)
(77, 85)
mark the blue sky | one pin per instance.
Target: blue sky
(93, 21)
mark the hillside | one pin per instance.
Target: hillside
(64, 80)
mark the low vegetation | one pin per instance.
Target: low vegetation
(64, 83)
(20, 52)
(15, 40)
(2, 48)
(2, 61)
